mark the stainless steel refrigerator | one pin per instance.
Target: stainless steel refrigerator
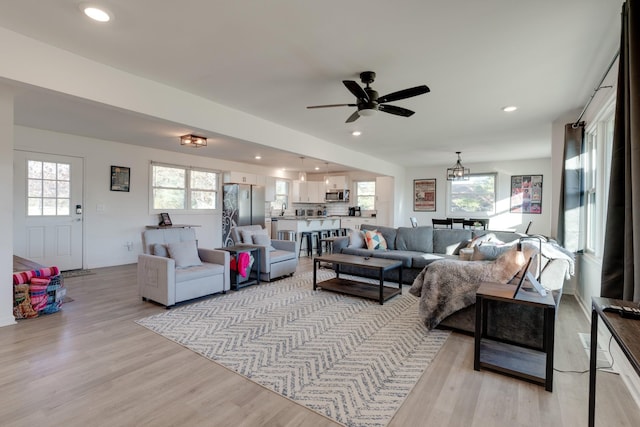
(242, 204)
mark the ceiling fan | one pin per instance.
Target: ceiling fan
(368, 101)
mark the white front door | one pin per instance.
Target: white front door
(48, 209)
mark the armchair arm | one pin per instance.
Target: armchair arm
(216, 256)
(284, 245)
(340, 243)
(157, 279)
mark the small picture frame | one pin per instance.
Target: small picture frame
(424, 195)
(120, 178)
(165, 221)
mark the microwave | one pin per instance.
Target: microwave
(337, 196)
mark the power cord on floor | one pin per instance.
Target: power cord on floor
(601, 368)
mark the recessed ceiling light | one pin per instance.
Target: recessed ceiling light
(356, 133)
(96, 13)
(509, 108)
(258, 157)
(317, 168)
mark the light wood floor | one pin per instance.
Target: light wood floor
(91, 365)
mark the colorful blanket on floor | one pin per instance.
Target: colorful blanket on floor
(242, 263)
(37, 292)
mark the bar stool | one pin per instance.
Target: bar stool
(309, 237)
(287, 235)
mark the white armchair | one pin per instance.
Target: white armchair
(172, 268)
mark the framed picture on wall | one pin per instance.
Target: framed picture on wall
(424, 195)
(526, 194)
(120, 177)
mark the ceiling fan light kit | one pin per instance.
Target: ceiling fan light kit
(458, 172)
(368, 102)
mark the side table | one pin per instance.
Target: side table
(238, 249)
(509, 358)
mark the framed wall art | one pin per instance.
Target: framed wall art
(120, 177)
(526, 194)
(424, 195)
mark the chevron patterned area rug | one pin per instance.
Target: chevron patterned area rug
(348, 358)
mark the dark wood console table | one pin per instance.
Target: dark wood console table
(508, 358)
(625, 331)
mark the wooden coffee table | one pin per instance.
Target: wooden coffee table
(354, 287)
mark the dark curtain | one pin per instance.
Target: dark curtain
(620, 280)
(571, 188)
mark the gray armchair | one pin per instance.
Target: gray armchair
(277, 258)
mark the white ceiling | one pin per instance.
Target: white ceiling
(273, 58)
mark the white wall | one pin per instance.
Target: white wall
(6, 213)
(124, 215)
(502, 219)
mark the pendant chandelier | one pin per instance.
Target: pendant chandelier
(326, 177)
(457, 172)
(302, 176)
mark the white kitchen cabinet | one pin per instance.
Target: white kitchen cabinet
(240, 178)
(337, 182)
(308, 192)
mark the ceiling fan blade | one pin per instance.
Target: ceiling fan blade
(356, 89)
(398, 111)
(353, 117)
(402, 94)
(332, 105)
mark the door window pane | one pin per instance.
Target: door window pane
(48, 188)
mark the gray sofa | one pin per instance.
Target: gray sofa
(418, 247)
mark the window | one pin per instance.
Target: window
(180, 188)
(48, 188)
(474, 196)
(366, 195)
(282, 195)
(596, 164)
(590, 177)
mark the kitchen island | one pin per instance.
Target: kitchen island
(299, 224)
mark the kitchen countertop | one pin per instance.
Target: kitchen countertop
(292, 217)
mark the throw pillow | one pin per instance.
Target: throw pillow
(263, 240)
(160, 250)
(185, 254)
(356, 239)
(246, 236)
(485, 238)
(375, 241)
(489, 252)
(508, 265)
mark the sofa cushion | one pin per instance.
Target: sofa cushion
(279, 256)
(421, 260)
(357, 251)
(375, 240)
(418, 239)
(197, 272)
(405, 256)
(185, 254)
(447, 241)
(389, 233)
